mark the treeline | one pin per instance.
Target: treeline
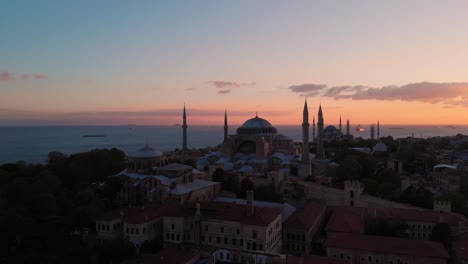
(232, 183)
(46, 209)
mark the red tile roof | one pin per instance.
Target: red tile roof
(233, 212)
(262, 216)
(314, 260)
(138, 214)
(352, 219)
(386, 245)
(171, 255)
(308, 217)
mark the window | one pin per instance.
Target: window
(241, 242)
(234, 241)
(178, 237)
(238, 231)
(225, 240)
(218, 240)
(107, 227)
(209, 239)
(221, 255)
(167, 235)
(254, 235)
(303, 237)
(228, 256)
(260, 246)
(341, 255)
(248, 245)
(137, 230)
(206, 228)
(99, 227)
(191, 226)
(172, 226)
(173, 236)
(369, 258)
(222, 229)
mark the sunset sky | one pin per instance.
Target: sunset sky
(137, 62)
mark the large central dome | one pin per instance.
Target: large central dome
(256, 125)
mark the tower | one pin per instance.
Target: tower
(305, 165)
(313, 130)
(378, 130)
(372, 132)
(320, 150)
(225, 126)
(340, 125)
(184, 136)
(347, 127)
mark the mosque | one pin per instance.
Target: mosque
(258, 148)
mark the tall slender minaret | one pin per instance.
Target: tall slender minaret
(347, 127)
(184, 136)
(340, 125)
(305, 165)
(313, 130)
(225, 126)
(378, 130)
(320, 150)
(305, 133)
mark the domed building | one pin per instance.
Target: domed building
(379, 147)
(255, 144)
(145, 159)
(149, 177)
(331, 133)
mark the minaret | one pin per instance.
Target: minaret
(340, 125)
(304, 166)
(184, 136)
(320, 150)
(347, 127)
(378, 130)
(225, 126)
(313, 130)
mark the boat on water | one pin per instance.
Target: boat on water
(359, 128)
(94, 135)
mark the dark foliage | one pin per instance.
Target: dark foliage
(41, 206)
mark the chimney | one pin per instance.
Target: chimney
(197, 212)
(250, 206)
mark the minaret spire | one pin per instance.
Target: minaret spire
(340, 124)
(320, 150)
(347, 127)
(378, 130)
(184, 136)
(313, 129)
(305, 166)
(225, 125)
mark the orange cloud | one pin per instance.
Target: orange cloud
(40, 76)
(6, 76)
(449, 94)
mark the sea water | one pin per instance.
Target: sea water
(32, 144)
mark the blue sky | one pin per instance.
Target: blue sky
(150, 55)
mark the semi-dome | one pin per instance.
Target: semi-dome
(330, 129)
(146, 152)
(257, 125)
(379, 147)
